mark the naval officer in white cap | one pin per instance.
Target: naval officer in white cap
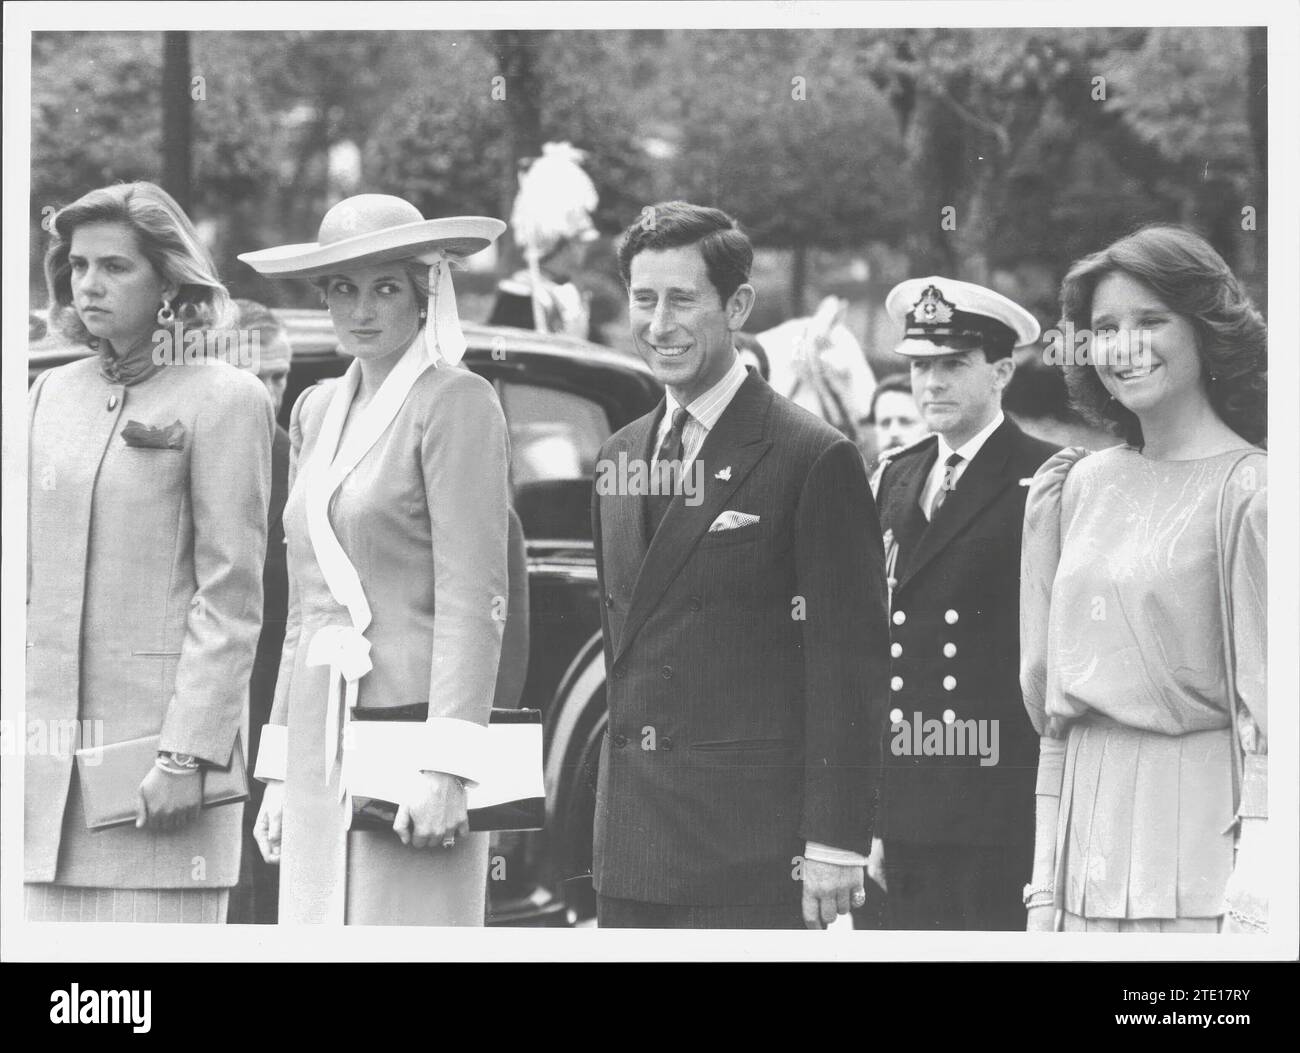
(958, 788)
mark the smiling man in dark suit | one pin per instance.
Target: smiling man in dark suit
(960, 757)
(744, 619)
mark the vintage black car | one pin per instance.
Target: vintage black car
(562, 398)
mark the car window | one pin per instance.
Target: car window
(555, 436)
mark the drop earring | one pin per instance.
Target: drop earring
(165, 313)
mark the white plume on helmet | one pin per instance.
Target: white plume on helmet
(555, 201)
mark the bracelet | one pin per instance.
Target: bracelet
(180, 760)
(1247, 921)
(1031, 892)
(164, 763)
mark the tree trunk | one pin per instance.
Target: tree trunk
(1257, 119)
(517, 53)
(176, 117)
(933, 142)
(798, 280)
(974, 232)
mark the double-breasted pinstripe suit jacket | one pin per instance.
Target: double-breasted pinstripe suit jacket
(746, 667)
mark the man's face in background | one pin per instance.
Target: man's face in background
(273, 368)
(897, 421)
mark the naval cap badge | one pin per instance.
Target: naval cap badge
(932, 308)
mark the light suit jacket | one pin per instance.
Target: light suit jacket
(423, 518)
(144, 602)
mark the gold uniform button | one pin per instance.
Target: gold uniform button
(896, 649)
(949, 682)
(896, 684)
(949, 716)
(900, 617)
(950, 616)
(949, 650)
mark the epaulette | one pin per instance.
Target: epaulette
(890, 456)
(903, 451)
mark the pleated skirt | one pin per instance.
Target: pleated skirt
(1144, 830)
(1074, 923)
(48, 902)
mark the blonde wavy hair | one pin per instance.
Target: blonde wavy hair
(167, 240)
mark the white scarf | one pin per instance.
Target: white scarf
(344, 648)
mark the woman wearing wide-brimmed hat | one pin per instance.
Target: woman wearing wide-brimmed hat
(396, 525)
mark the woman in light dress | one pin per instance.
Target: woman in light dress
(1143, 614)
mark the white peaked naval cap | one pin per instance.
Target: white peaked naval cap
(942, 316)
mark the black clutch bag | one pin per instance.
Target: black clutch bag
(511, 795)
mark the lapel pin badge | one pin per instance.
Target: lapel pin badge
(724, 474)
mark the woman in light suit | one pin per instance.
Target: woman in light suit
(149, 477)
(397, 528)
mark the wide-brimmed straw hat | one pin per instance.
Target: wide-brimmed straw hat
(379, 228)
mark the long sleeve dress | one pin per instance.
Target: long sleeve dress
(423, 518)
(1125, 677)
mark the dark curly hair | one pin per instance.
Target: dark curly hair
(1190, 278)
(727, 251)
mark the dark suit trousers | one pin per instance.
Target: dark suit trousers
(956, 887)
(615, 913)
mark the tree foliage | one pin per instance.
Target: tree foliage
(827, 139)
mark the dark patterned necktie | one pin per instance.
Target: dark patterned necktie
(667, 462)
(949, 470)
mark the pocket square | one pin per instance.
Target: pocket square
(731, 521)
(146, 437)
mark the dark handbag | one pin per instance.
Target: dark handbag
(512, 797)
(111, 776)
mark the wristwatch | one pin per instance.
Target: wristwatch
(183, 761)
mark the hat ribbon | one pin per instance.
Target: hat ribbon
(443, 337)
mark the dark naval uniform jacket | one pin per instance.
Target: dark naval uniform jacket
(955, 649)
